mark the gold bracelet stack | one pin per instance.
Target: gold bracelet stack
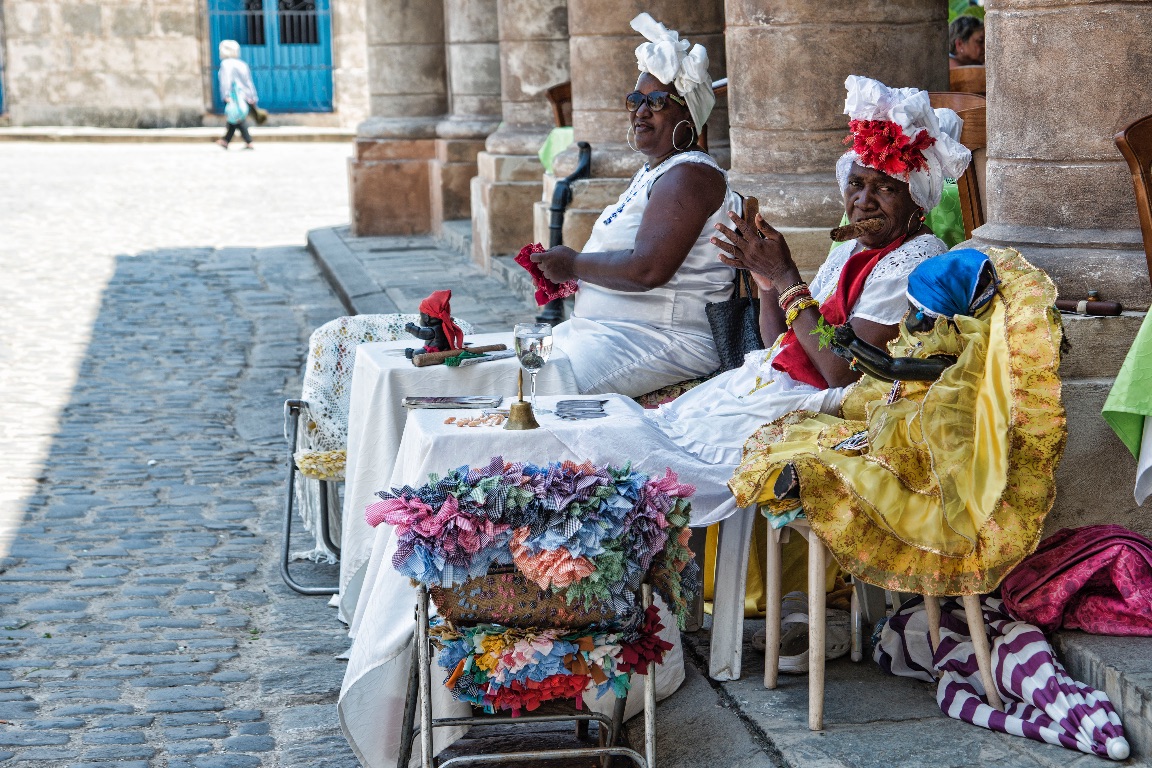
(791, 294)
(798, 307)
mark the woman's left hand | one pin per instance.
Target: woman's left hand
(758, 248)
(558, 264)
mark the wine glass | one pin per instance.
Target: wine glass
(533, 346)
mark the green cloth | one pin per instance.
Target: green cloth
(945, 220)
(557, 141)
(1131, 397)
(453, 362)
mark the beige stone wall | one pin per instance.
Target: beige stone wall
(533, 57)
(349, 62)
(787, 61)
(144, 63)
(127, 63)
(1063, 78)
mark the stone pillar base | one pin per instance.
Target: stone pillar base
(451, 172)
(503, 194)
(388, 186)
(589, 198)
(1110, 261)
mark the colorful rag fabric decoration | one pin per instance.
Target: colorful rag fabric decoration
(1041, 701)
(546, 290)
(1097, 578)
(951, 491)
(438, 306)
(517, 670)
(591, 533)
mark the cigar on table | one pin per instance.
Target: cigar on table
(853, 231)
(437, 358)
(1086, 307)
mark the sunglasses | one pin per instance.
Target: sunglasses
(656, 100)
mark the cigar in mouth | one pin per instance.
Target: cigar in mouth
(855, 230)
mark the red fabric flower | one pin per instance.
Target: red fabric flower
(647, 647)
(882, 145)
(546, 290)
(530, 694)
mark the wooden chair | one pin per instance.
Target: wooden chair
(971, 79)
(973, 111)
(1135, 143)
(817, 562)
(720, 88)
(560, 97)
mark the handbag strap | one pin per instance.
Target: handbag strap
(742, 284)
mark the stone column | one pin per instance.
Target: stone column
(389, 173)
(473, 58)
(533, 57)
(787, 61)
(349, 61)
(1063, 78)
(603, 50)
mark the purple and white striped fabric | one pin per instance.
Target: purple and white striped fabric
(1041, 701)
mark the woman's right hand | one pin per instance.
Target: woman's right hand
(765, 254)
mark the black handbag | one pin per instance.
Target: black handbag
(736, 323)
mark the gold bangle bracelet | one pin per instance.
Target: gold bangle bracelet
(790, 293)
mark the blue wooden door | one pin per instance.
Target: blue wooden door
(288, 45)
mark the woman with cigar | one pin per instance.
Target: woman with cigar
(893, 174)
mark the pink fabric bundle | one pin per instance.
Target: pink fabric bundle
(546, 290)
(1097, 578)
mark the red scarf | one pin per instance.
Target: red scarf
(793, 359)
(437, 305)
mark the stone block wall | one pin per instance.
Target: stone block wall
(143, 64)
(125, 63)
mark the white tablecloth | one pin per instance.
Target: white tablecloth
(372, 695)
(382, 378)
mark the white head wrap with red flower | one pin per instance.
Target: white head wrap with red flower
(896, 131)
(669, 60)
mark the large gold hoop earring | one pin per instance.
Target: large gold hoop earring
(917, 217)
(628, 137)
(691, 136)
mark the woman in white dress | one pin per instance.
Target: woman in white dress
(648, 270)
(894, 174)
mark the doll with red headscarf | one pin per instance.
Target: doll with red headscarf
(437, 329)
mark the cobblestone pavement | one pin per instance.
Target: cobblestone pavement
(142, 621)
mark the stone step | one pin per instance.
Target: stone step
(1122, 668)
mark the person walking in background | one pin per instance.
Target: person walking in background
(238, 93)
(965, 42)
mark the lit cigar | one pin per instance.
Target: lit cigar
(853, 231)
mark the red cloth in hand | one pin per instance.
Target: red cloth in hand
(438, 305)
(546, 290)
(792, 359)
(1097, 578)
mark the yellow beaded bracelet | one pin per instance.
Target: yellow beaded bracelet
(797, 308)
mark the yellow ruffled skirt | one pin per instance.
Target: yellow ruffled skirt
(952, 487)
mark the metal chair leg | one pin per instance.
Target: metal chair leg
(423, 659)
(327, 491)
(649, 697)
(617, 727)
(411, 699)
(294, 407)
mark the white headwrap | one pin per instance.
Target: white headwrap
(668, 59)
(911, 111)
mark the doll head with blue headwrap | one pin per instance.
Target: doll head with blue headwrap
(960, 282)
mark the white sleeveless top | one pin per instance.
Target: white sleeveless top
(678, 305)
